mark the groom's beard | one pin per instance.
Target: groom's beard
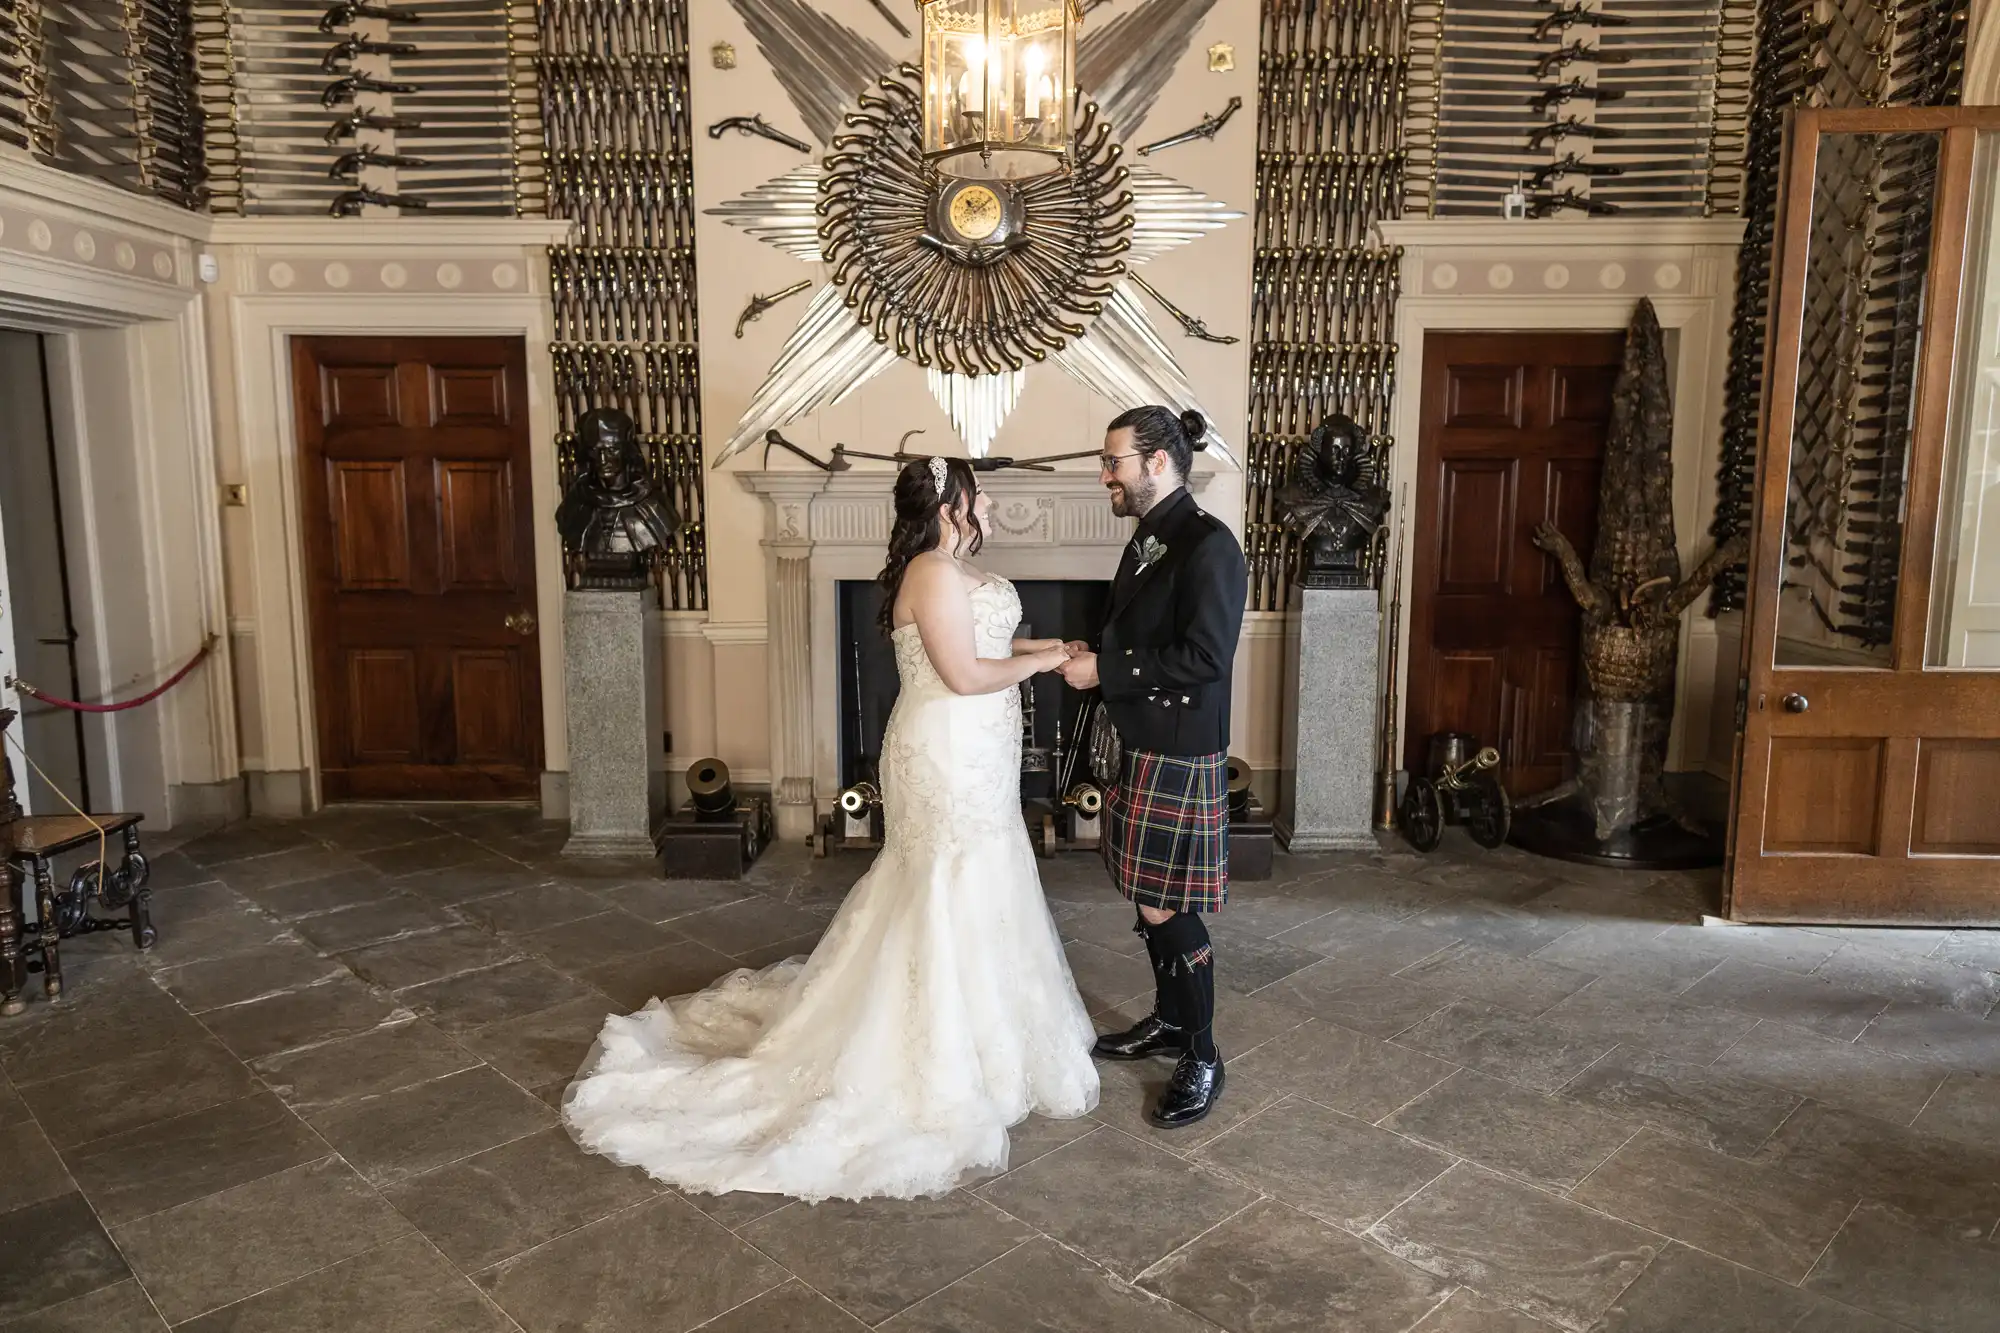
(1133, 499)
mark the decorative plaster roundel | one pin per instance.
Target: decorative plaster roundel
(1556, 277)
(1444, 277)
(39, 235)
(1500, 277)
(163, 264)
(394, 276)
(337, 276)
(85, 246)
(281, 275)
(127, 257)
(1612, 275)
(449, 276)
(505, 276)
(1667, 275)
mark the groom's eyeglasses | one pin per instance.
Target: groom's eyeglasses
(1109, 462)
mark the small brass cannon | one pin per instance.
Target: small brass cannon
(1462, 788)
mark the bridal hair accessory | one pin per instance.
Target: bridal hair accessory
(938, 475)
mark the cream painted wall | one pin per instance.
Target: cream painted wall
(1210, 278)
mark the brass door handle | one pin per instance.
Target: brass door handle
(1795, 703)
(521, 622)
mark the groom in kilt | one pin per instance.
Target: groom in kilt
(1162, 666)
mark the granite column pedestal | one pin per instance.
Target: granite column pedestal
(612, 673)
(1328, 783)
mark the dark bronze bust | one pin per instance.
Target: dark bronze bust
(1333, 503)
(615, 522)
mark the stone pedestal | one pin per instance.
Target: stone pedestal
(1327, 790)
(617, 720)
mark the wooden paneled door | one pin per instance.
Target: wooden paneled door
(1868, 755)
(419, 541)
(1512, 435)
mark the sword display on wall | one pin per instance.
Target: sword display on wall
(1208, 127)
(889, 14)
(1194, 328)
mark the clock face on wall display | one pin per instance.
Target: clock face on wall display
(975, 214)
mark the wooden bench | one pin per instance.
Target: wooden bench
(38, 840)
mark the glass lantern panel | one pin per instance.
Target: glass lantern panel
(998, 86)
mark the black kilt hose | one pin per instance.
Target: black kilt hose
(1166, 831)
(1163, 667)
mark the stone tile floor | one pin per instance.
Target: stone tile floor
(1469, 1093)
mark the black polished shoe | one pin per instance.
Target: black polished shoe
(1190, 1094)
(1149, 1036)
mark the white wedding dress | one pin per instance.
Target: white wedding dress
(937, 1010)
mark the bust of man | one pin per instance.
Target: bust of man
(1333, 503)
(614, 520)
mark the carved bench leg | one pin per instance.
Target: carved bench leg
(45, 911)
(13, 967)
(138, 871)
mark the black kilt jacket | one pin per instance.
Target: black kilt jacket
(1169, 640)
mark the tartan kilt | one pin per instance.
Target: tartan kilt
(1166, 831)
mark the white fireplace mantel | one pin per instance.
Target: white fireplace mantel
(821, 529)
(1467, 274)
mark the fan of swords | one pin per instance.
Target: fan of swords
(619, 151)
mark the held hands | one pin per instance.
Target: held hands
(1080, 671)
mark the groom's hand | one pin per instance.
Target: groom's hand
(1080, 672)
(1076, 647)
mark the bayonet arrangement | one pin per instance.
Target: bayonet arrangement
(613, 78)
(1632, 88)
(1331, 162)
(439, 96)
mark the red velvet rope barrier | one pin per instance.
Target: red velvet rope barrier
(207, 646)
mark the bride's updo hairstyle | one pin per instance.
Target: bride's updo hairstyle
(917, 527)
(1160, 429)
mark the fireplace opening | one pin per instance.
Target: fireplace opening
(1050, 609)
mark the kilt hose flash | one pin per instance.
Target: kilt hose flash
(1166, 831)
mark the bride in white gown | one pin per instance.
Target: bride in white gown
(938, 1010)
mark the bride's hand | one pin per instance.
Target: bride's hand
(1051, 659)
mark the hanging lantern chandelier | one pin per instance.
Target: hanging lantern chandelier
(999, 86)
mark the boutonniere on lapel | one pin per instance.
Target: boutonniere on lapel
(1151, 551)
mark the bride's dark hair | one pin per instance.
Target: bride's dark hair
(917, 528)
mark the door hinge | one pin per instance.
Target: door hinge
(1742, 701)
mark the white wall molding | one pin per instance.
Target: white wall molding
(77, 253)
(109, 275)
(1467, 274)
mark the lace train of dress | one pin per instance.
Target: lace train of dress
(937, 1011)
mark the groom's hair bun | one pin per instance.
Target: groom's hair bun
(1196, 430)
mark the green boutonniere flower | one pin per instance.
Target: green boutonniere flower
(1150, 552)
